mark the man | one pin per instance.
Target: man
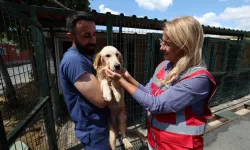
(80, 87)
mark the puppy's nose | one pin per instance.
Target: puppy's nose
(117, 67)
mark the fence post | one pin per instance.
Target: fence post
(3, 138)
(43, 82)
(109, 31)
(147, 73)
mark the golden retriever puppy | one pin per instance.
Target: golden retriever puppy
(112, 92)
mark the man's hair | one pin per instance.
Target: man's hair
(73, 18)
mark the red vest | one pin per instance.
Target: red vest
(183, 128)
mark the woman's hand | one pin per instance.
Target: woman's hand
(119, 75)
(125, 74)
(114, 75)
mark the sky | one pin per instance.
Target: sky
(234, 14)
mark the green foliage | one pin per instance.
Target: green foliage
(18, 33)
(15, 31)
(80, 5)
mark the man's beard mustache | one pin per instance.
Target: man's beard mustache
(84, 50)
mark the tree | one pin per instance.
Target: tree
(79, 5)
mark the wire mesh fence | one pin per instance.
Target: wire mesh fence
(234, 57)
(243, 84)
(34, 135)
(245, 61)
(228, 88)
(215, 52)
(19, 84)
(216, 99)
(23, 83)
(133, 43)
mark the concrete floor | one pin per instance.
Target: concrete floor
(234, 135)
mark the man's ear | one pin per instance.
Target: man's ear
(97, 61)
(70, 36)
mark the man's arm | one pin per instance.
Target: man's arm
(90, 88)
(79, 72)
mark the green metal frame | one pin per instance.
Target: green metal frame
(147, 72)
(109, 32)
(3, 137)
(44, 83)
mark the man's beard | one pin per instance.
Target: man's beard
(84, 50)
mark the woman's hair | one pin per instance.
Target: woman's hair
(186, 34)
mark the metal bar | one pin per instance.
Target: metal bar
(44, 83)
(224, 67)
(25, 7)
(60, 4)
(147, 66)
(12, 136)
(50, 126)
(53, 52)
(3, 138)
(48, 113)
(109, 32)
(214, 57)
(57, 101)
(147, 71)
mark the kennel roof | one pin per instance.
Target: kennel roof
(55, 18)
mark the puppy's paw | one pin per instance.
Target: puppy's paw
(117, 96)
(107, 96)
(127, 144)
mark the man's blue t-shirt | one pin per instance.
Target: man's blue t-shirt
(91, 122)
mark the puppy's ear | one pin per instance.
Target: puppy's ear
(97, 61)
(120, 59)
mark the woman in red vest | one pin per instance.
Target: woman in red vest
(177, 96)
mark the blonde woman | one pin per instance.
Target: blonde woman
(177, 96)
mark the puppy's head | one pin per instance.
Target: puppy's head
(109, 56)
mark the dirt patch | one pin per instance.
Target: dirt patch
(35, 137)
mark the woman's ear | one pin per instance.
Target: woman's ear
(97, 61)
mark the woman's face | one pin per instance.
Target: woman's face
(171, 51)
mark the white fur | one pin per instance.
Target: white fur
(112, 92)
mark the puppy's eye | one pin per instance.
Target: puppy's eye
(107, 55)
(117, 54)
